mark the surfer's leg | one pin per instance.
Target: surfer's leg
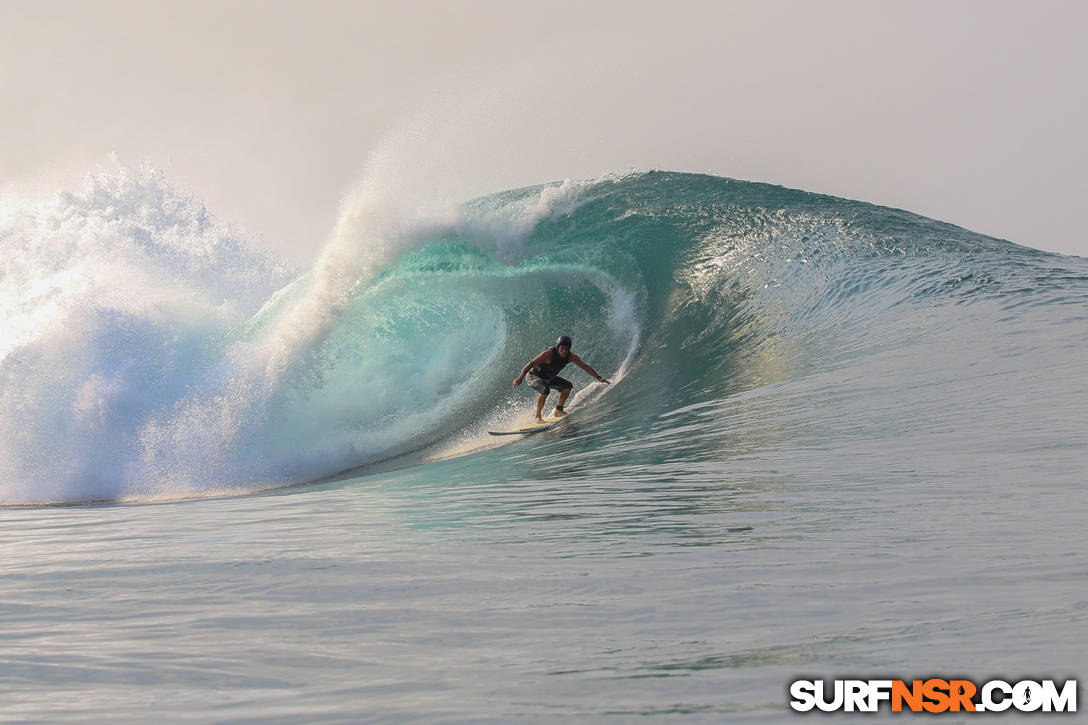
(564, 387)
(562, 399)
(540, 405)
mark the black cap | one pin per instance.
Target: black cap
(563, 340)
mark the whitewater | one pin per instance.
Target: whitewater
(841, 440)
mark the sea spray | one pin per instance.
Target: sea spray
(116, 301)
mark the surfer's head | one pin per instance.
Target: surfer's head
(563, 341)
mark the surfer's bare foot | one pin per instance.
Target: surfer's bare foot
(539, 419)
(559, 413)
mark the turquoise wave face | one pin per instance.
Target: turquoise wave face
(430, 348)
(682, 288)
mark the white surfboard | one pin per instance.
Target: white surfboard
(531, 428)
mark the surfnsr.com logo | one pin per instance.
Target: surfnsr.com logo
(933, 695)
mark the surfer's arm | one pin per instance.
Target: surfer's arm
(578, 361)
(538, 360)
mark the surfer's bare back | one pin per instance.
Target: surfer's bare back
(543, 371)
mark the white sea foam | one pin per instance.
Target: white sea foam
(114, 302)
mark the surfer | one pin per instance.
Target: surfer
(543, 372)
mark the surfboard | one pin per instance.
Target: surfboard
(531, 428)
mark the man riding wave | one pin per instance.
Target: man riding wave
(543, 372)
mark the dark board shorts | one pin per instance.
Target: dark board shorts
(544, 387)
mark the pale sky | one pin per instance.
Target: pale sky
(972, 112)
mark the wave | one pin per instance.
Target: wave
(149, 353)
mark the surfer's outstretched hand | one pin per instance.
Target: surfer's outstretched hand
(517, 381)
(602, 380)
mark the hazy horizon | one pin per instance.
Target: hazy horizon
(272, 113)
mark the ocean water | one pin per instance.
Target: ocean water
(841, 440)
